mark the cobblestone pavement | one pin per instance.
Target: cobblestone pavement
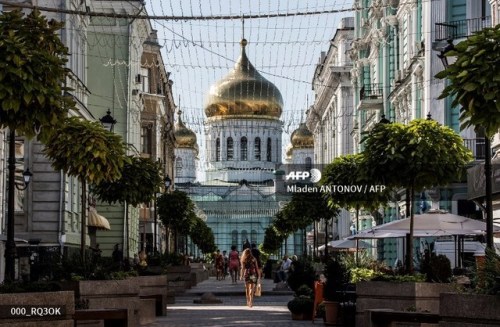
(269, 310)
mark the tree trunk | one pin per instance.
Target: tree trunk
(488, 192)
(357, 231)
(84, 219)
(409, 246)
(127, 233)
(326, 239)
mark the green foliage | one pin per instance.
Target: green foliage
(488, 278)
(301, 304)
(347, 170)
(416, 278)
(139, 182)
(301, 273)
(437, 268)
(336, 277)
(86, 150)
(362, 274)
(32, 74)
(420, 154)
(474, 80)
(272, 239)
(175, 210)
(304, 290)
(202, 236)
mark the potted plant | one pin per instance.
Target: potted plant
(301, 307)
(336, 277)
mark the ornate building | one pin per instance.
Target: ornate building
(243, 150)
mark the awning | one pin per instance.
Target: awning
(96, 220)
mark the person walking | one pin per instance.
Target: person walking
(234, 263)
(250, 273)
(219, 265)
(256, 255)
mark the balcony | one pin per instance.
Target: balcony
(477, 147)
(371, 96)
(460, 28)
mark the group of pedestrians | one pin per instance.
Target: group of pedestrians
(247, 268)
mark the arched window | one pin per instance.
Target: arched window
(268, 150)
(234, 237)
(308, 163)
(244, 148)
(244, 236)
(230, 149)
(178, 166)
(257, 148)
(217, 149)
(253, 236)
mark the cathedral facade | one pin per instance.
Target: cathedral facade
(243, 135)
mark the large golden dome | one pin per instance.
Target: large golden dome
(302, 137)
(184, 137)
(244, 92)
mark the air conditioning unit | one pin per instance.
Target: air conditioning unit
(138, 78)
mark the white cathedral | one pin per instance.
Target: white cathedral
(242, 191)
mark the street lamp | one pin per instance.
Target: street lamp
(108, 122)
(167, 182)
(488, 208)
(442, 54)
(10, 246)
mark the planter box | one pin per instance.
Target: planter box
(64, 300)
(112, 294)
(471, 310)
(397, 296)
(154, 287)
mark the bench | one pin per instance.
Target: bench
(111, 317)
(158, 301)
(385, 318)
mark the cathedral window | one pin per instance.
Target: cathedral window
(244, 236)
(269, 147)
(257, 148)
(178, 166)
(244, 148)
(217, 149)
(230, 149)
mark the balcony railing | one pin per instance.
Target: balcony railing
(371, 91)
(461, 28)
(477, 147)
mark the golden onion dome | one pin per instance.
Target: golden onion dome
(184, 137)
(244, 92)
(302, 137)
(288, 151)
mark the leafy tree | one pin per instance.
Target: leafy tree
(176, 211)
(32, 74)
(202, 236)
(474, 80)
(272, 239)
(473, 84)
(414, 156)
(139, 182)
(348, 170)
(86, 150)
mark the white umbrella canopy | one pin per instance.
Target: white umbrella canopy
(345, 244)
(431, 224)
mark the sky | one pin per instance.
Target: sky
(285, 50)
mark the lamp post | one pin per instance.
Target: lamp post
(10, 246)
(488, 208)
(108, 122)
(168, 182)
